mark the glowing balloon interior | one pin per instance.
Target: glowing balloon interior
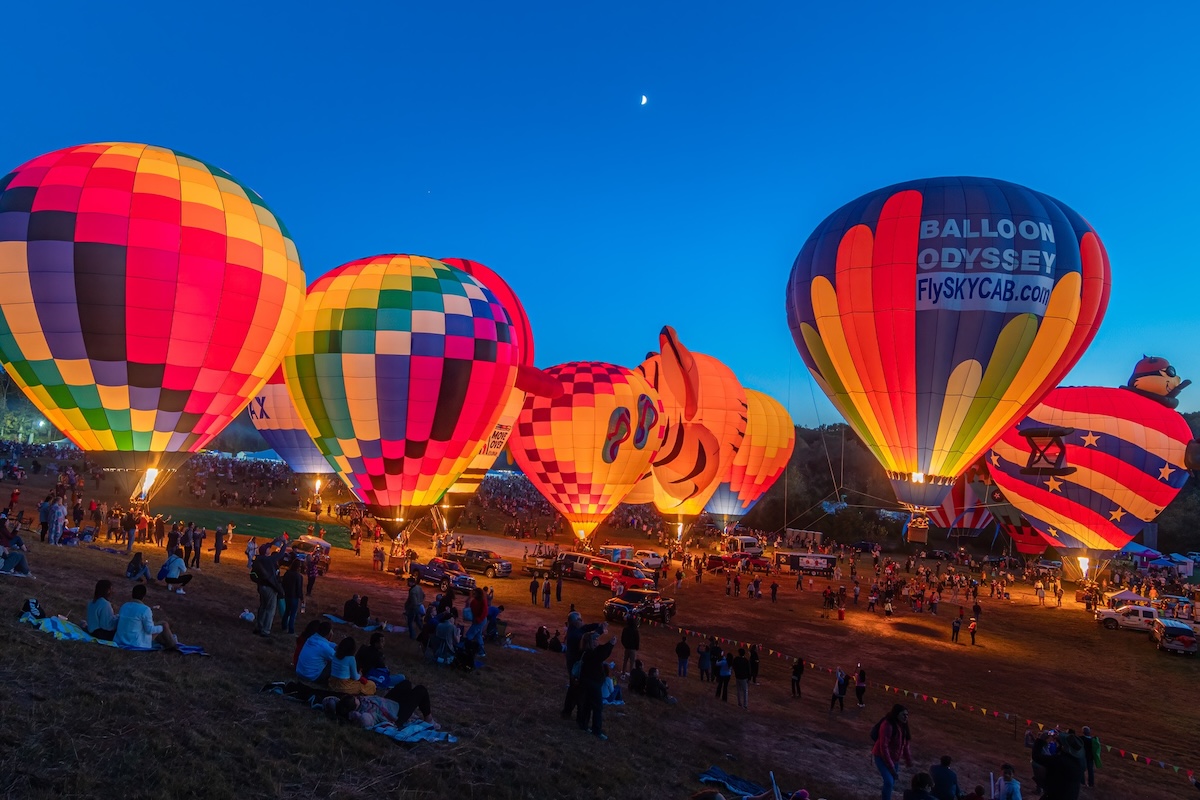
(761, 459)
(275, 417)
(934, 314)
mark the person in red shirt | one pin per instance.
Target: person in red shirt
(892, 745)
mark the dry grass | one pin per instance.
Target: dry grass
(78, 720)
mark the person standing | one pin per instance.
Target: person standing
(704, 662)
(412, 604)
(1091, 754)
(631, 641)
(219, 545)
(198, 537)
(954, 628)
(265, 571)
(860, 687)
(58, 521)
(591, 680)
(797, 674)
(187, 542)
(293, 593)
(723, 673)
(683, 652)
(546, 592)
(892, 743)
(754, 664)
(533, 589)
(774, 591)
(251, 552)
(971, 628)
(1008, 787)
(44, 508)
(741, 673)
(558, 588)
(576, 631)
(313, 569)
(840, 682)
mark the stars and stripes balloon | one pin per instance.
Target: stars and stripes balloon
(401, 367)
(962, 510)
(1124, 462)
(1025, 538)
(586, 448)
(147, 296)
(934, 314)
(275, 417)
(763, 455)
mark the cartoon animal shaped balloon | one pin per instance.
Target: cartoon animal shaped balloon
(763, 455)
(935, 314)
(1123, 463)
(275, 417)
(586, 448)
(147, 297)
(1155, 378)
(400, 369)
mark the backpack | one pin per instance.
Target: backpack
(32, 608)
(875, 729)
(162, 572)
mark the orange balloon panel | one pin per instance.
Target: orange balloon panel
(585, 450)
(770, 439)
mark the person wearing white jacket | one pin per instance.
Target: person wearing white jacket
(175, 567)
(135, 624)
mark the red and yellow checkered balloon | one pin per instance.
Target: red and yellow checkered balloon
(585, 450)
(147, 296)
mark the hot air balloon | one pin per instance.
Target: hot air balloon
(705, 411)
(400, 369)
(147, 297)
(962, 510)
(1025, 538)
(934, 314)
(276, 419)
(446, 515)
(761, 459)
(1096, 464)
(585, 449)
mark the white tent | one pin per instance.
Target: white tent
(1125, 597)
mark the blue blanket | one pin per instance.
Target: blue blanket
(339, 621)
(65, 630)
(739, 786)
(415, 731)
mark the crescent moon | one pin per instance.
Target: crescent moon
(643, 99)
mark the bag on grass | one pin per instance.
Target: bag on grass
(32, 608)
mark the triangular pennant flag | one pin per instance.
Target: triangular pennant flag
(1030, 722)
(887, 688)
(1162, 764)
(1176, 769)
(1122, 752)
(984, 710)
(996, 714)
(925, 697)
(1108, 748)
(1135, 758)
(906, 692)
(954, 705)
(935, 701)
(1042, 727)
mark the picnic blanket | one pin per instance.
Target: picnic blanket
(385, 626)
(519, 647)
(414, 731)
(739, 786)
(65, 630)
(17, 574)
(112, 550)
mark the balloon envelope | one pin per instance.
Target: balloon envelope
(1127, 452)
(764, 454)
(962, 509)
(400, 369)
(279, 423)
(934, 314)
(585, 450)
(147, 297)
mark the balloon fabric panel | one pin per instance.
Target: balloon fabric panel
(401, 367)
(930, 350)
(148, 295)
(1127, 452)
(764, 454)
(962, 509)
(581, 449)
(275, 417)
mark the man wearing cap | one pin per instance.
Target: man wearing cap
(576, 630)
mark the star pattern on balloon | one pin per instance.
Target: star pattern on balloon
(1054, 484)
(1090, 439)
(1117, 514)
(995, 458)
(1164, 472)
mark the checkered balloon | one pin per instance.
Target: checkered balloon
(147, 296)
(400, 368)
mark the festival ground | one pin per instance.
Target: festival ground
(88, 721)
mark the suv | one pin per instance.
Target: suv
(644, 603)
(604, 573)
(444, 573)
(574, 565)
(1139, 618)
(488, 562)
(1170, 634)
(650, 558)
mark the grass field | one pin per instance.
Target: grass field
(84, 721)
(270, 523)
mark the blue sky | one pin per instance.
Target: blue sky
(512, 134)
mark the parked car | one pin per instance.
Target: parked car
(306, 547)
(650, 558)
(1173, 636)
(443, 573)
(488, 562)
(1138, 618)
(941, 555)
(1044, 566)
(644, 603)
(865, 546)
(604, 573)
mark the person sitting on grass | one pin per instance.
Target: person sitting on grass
(137, 569)
(314, 659)
(136, 628)
(101, 619)
(610, 693)
(637, 678)
(922, 786)
(175, 569)
(352, 610)
(444, 641)
(370, 656)
(656, 687)
(13, 561)
(344, 676)
(395, 708)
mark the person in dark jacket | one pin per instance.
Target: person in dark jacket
(293, 592)
(683, 652)
(576, 630)
(631, 640)
(1064, 768)
(591, 681)
(637, 678)
(945, 780)
(370, 656)
(741, 673)
(265, 572)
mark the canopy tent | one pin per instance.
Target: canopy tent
(1162, 562)
(1124, 597)
(1140, 550)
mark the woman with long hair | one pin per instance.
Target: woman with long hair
(344, 676)
(892, 740)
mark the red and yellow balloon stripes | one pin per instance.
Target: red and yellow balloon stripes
(762, 458)
(147, 296)
(400, 368)
(1127, 452)
(934, 313)
(585, 449)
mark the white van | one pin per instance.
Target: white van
(742, 544)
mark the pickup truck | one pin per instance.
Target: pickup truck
(443, 573)
(488, 562)
(1138, 618)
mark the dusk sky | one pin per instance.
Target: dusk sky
(513, 134)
